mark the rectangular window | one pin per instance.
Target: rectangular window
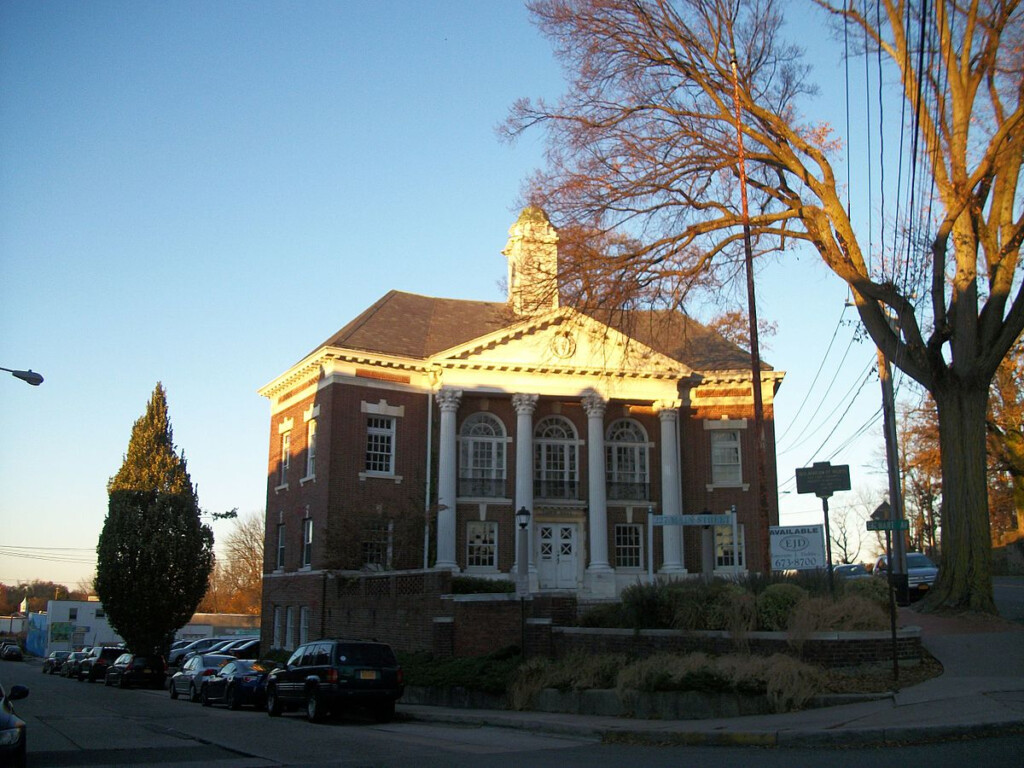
(72, 614)
(482, 544)
(280, 547)
(725, 457)
(289, 628)
(311, 449)
(278, 626)
(727, 556)
(286, 458)
(307, 542)
(377, 545)
(628, 549)
(304, 614)
(380, 445)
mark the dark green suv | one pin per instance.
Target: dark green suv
(326, 676)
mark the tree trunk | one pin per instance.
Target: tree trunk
(965, 570)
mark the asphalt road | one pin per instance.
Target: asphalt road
(1009, 596)
(82, 724)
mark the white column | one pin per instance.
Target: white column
(447, 487)
(525, 405)
(671, 503)
(595, 406)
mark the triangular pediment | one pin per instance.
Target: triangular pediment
(563, 340)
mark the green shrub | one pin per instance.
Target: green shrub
(645, 606)
(490, 674)
(474, 585)
(607, 615)
(776, 603)
(873, 589)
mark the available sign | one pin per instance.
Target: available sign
(797, 547)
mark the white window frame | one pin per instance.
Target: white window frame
(281, 541)
(383, 534)
(725, 436)
(307, 542)
(625, 548)
(481, 545)
(278, 626)
(556, 457)
(286, 460)
(381, 425)
(482, 453)
(289, 628)
(310, 452)
(380, 446)
(304, 617)
(627, 456)
(724, 561)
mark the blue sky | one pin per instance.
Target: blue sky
(200, 193)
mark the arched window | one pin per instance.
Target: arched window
(555, 459)
(626, 464)
(482, 456)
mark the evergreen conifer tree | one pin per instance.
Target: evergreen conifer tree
(154, 556)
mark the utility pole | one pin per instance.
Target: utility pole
(898, 558)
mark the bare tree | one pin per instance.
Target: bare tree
(644, 142)
(847, 524)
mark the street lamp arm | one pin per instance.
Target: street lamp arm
(30, 376)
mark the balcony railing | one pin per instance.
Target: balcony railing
(482, 487)
(628, 491)
(568, 490)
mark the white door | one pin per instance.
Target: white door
(556, 555)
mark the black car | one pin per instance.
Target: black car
(327, 675)
(11, 652)
(94, 666)
(72, 664)
(195, 672)
(53, 662)
(247, 649)
(178, 656)
(131, 669)
(237, 684)
(12, 728)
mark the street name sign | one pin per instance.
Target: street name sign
(822, 479)
(888, 525)
(723, 519)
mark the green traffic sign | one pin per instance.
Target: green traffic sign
(888, 525)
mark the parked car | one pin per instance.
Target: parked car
(328, 675)
(246, 649)
(12, 728)
(131, 669)
(239, 683)
(851, 571)
(11, 652)
(94, 666)
(72, 664)
(177, 656)
(53, 662)
(921, 571)
(188, 681)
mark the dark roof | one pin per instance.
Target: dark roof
(409, 325)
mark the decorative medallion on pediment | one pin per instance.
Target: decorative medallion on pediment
(563, 345)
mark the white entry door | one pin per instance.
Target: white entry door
(556, 555)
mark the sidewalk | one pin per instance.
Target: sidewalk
(981, 692)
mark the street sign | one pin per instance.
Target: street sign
(822, 479)
(723, 519)
(882, 512)
(888, 525)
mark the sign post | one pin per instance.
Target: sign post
(822, 479)
(881, 520)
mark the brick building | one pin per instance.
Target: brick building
(409, 439)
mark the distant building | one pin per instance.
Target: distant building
(410, 437)
(71, 624)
